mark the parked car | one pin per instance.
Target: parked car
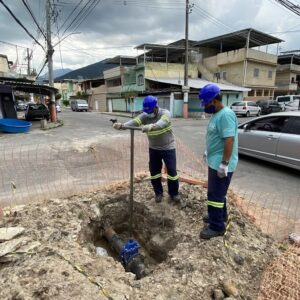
(79, 105)
(274, 138)
(58, 108)
(268, 106)
(37, 111)
(287, 99)
(247, 108)
(21, 105)
(292, 106)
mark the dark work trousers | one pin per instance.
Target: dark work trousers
(155, 165)
(216, 199)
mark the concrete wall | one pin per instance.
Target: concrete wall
(3, 64)
(112, 73)
(97, 100)
(262, 80)
(163, 70)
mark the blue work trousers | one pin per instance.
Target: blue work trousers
(216, 196)
(155, 166)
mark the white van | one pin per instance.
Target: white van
(79, 105)
(287, 99)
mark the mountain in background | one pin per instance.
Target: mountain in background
(56, 73)
(89, 72)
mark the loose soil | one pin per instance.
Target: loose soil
(55, 257)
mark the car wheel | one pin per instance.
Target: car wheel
(258, 113)
(248, 114)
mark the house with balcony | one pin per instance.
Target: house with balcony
(238, 58)
(288, 74)
(160, 71)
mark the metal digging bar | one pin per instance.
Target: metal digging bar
(132, 129)
(128, 252)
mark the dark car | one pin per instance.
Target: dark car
(21, 105)
(268, 106)
(37, 111)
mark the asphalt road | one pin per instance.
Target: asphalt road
(267, 181)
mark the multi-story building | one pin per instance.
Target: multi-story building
(160, 71)
(288, 74)
(236, 58)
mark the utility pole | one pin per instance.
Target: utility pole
(185, 87)
(28, 62)
(50, 52)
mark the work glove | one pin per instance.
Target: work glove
(147, 128)
(222, 171)
(204, 157)
(117, 126)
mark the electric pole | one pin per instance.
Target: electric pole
(29, 55)
(185, 87)
(50, 52)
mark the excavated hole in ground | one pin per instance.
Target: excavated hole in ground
(151, 229)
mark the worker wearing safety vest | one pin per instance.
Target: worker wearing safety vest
(221, 156)
(156, 123)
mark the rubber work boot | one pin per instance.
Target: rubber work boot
(208, 233)
(205, 219)
(175, 199)
(158, 198)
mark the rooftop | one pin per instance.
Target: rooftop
(238, 39)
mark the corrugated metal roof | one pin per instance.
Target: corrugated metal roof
(199, 84)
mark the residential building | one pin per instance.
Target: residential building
(288, 74)
(232, 57)
(67, 88)
(160, 71)
(4, 67)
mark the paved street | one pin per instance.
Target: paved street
(268, 181)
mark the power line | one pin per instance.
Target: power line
(19, 22)
(33, 17)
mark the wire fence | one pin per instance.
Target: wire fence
(38, 172)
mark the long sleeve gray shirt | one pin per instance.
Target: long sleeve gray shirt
(161, 136)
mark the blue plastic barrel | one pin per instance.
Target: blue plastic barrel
(14, 126)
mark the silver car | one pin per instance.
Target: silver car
(246, 108)
(275, 138)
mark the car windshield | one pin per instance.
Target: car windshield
(238, 104)
(36, 106)
(81, 102)
(283, 99)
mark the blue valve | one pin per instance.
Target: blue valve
(129, 250)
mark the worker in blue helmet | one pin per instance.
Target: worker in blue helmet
(157, 125)
(221, 156)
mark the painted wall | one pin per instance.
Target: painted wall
(97, 100)
(262, 80)
(163, 70)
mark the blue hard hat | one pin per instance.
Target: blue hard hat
(149, 104)
(208, 93)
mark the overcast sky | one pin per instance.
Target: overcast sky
(115, 27)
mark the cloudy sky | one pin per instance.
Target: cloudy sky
(96, 29)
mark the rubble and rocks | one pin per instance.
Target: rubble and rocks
(55, 256)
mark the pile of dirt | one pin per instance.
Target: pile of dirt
(54, 256)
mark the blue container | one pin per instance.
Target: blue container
(14, 126)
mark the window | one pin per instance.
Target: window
(294, 127)
(293, 80)
(140, 79)
(256, 72)
(259, 93)
(274, 124)
(270, 74)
